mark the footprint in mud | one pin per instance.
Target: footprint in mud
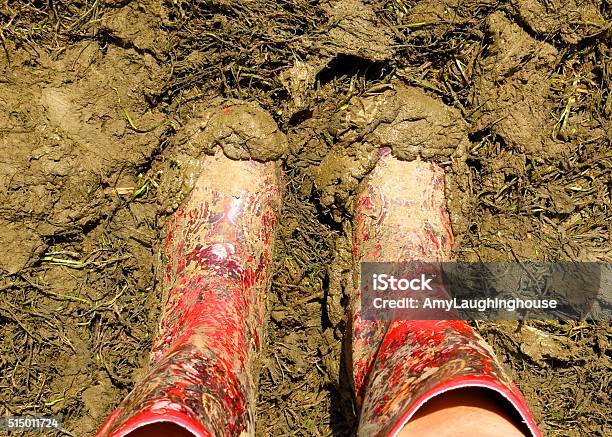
(512, 89)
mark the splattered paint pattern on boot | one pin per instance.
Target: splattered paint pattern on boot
(400, 364)
(218, 251)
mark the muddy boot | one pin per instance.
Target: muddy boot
(219, 246)
(399, 365)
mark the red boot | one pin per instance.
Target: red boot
(399, 365)
(218, 250)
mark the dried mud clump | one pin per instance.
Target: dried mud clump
(355, 30)
(571, 20)
(438, 17)
(137, 25)
(299, 80)
(338, 175)
(512, 88)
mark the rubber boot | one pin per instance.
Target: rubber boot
(398, 365)
(218, 251)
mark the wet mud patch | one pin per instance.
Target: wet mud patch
(98, 107)
(519, 114)
(78, 226)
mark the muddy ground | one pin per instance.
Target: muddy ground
(511, 97)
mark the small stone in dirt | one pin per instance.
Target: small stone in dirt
(278, 315)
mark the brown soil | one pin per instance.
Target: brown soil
(97, 150)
